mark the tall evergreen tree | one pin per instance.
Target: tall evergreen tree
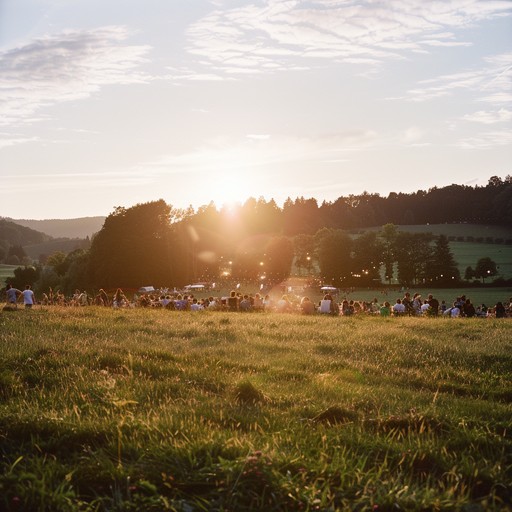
(442, 267)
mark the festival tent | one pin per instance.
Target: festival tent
(146, 289)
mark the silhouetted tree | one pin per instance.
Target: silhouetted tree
(333, 255)
(442, 267)
(469, 274)
(367, 257)
(388, 235)
(133, 248)
(23, 276)
(485, 268)
(278, 259)
(304, 248)
(413, 251)
(57, 261)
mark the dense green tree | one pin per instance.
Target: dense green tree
(134, 248)
(23, 276)
(304, 249)
(47, 279)
(388, 235)
(57, 261)
(278, 259)
(442, 267)
(485, 268)
(413, 252)
(367, 257)
(18, 251)
(333, 248)
(301, 216)
(247, 265)
(469, 274)
(77, 275)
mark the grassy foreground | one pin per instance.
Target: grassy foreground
(135, 410)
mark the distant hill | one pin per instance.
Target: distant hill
(64, 228)
(65, 245)
(12, 233)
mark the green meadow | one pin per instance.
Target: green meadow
(467, 253)
(135, 410)
(5, 272)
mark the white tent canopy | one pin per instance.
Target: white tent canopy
(194, 286)
(146, 289)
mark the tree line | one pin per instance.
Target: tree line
(156, 244)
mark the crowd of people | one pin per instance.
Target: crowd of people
(408, 305)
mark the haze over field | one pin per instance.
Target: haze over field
(117, 103)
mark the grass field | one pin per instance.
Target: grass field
(466, 254)
(5, 272)
(135, 410)
(465, 230)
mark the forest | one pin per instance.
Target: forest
(258, 241)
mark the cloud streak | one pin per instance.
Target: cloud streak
(64, 67)
(273, 35)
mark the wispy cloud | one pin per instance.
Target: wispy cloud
(259, 151)
(486, 140)
(63, 67)
(7, 140)
(490, 117)
(274, 35)
(492, 82)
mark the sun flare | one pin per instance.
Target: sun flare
(229, 189)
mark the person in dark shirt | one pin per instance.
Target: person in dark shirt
(469, 309)
(499, 310)
(434, 305)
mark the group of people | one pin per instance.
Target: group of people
(404, 306)
(13, 295)
(407, 306)
(460, 307)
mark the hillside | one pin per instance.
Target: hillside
(12, 233)
(469, 243)
(65, 245)
(64, 228)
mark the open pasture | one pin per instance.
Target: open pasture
(105, 409)
(5, 272)
(466, 255)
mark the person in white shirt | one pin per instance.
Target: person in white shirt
(195, 306)
(453, 312)
(398, 308)
(28, 297)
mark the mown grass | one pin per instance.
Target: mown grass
(157, 410)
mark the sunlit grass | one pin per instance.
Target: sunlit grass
(157, 410)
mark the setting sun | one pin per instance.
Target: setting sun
(228, 189)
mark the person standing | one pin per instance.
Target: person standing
(12, 295)
(28, 297)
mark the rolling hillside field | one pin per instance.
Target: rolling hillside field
(467, 253)
(5, 272)
(153, 410)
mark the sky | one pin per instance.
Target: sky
(107, 103)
